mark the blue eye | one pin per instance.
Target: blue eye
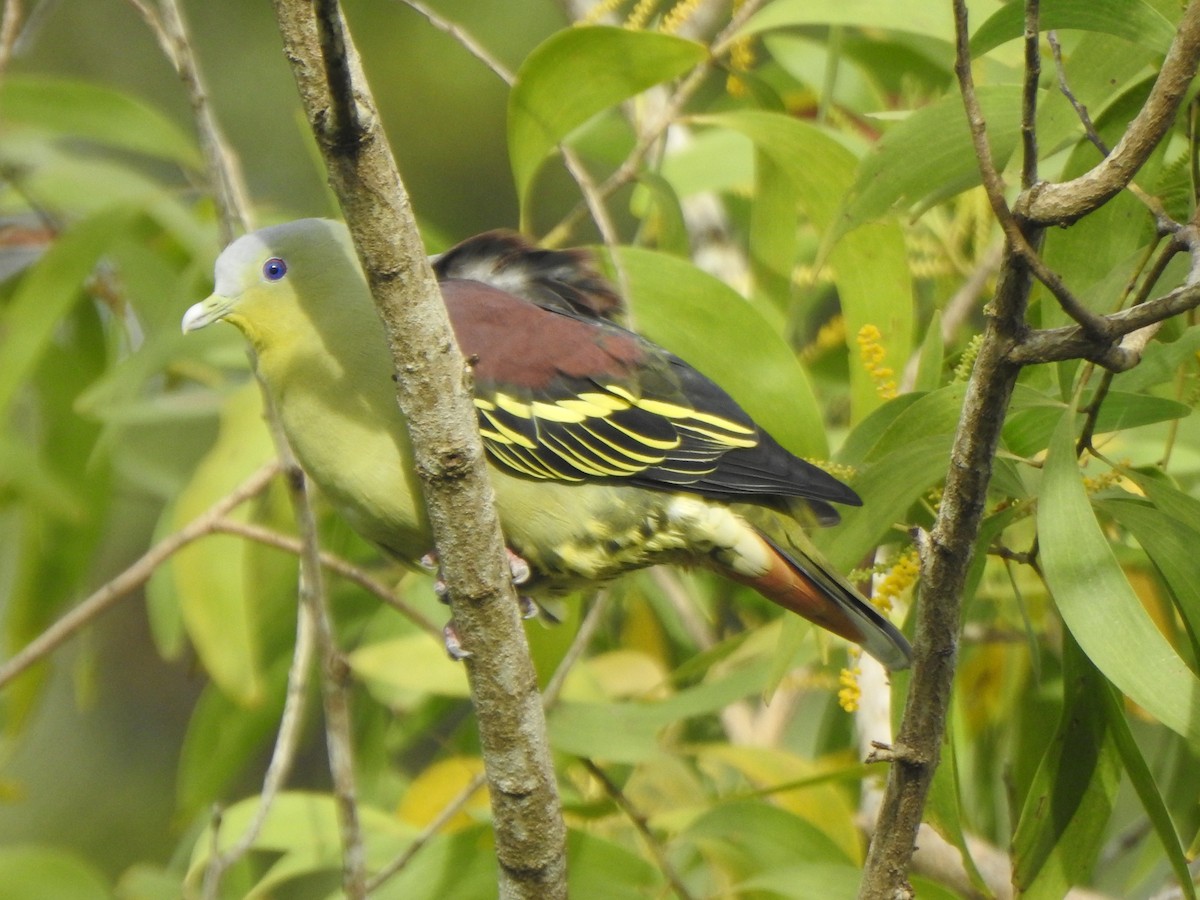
(274, 269)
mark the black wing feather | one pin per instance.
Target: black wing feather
(563, 394)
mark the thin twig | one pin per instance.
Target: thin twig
(464, 38)
(335, 693)
(550, 697)
(10, 30)
(640, 823)
(1163, 222)
(592, 197)
(336, 564)
(1029, 98)
(1081, 111)
(133, 577)
(650, 136)
(287, 739)
(428, 833)
(222, 169)
(583, 638)
(1070, 342)
(994, 186)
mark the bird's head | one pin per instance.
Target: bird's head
(274, 282)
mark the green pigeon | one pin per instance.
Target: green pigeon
(606, 452)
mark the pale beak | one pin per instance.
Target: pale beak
(205, 312)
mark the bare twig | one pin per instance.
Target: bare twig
(10, 30)
(427, 834)
(1089, 127)
(287, 738)
(1065, 202)
(223, 171)
(550, 695)
(335, 692)
(652, 133)
(1021, 242)
(1029, 97)
(1163, 222)
(642, 826)
(335, 564)
(136, 575)
(583, 637)
(592, 197)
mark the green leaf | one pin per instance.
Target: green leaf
(829, 881)
(870, 265)
(657, 205)
(929, 155)
(1171, 544)
(772, 241)
(729, 340)
(889, 486)
(1132, 20)
(49, 289)
(1160, 362)
(31, 872)
(748, 839)
(1143, 783)
(577, 73)
(209, 576)
(1065, 812)
(603, 870)
(915, 16)
(936, 413)
(301, 833)
(628, 731)
(944, 809)
(933, 355)
(1035, 416)
(1097, 602)
(404, 666)
(221, 739)
(98, 114)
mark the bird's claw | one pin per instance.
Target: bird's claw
(454, 647)
(518, 570)
(528, 606)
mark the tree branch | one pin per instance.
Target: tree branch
(432, 386)
(1068, 201)
(136, 575)
(1070, 341)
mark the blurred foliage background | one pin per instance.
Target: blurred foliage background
(832, 145)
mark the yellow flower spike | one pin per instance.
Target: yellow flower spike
(640, 14)
(599, 11)
(850, 692)
(1096, 483)
(678, 15)
(741, 59)
(902, 575)
(838, 470)
(873, 353)
(963, 370)
(830, 336)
